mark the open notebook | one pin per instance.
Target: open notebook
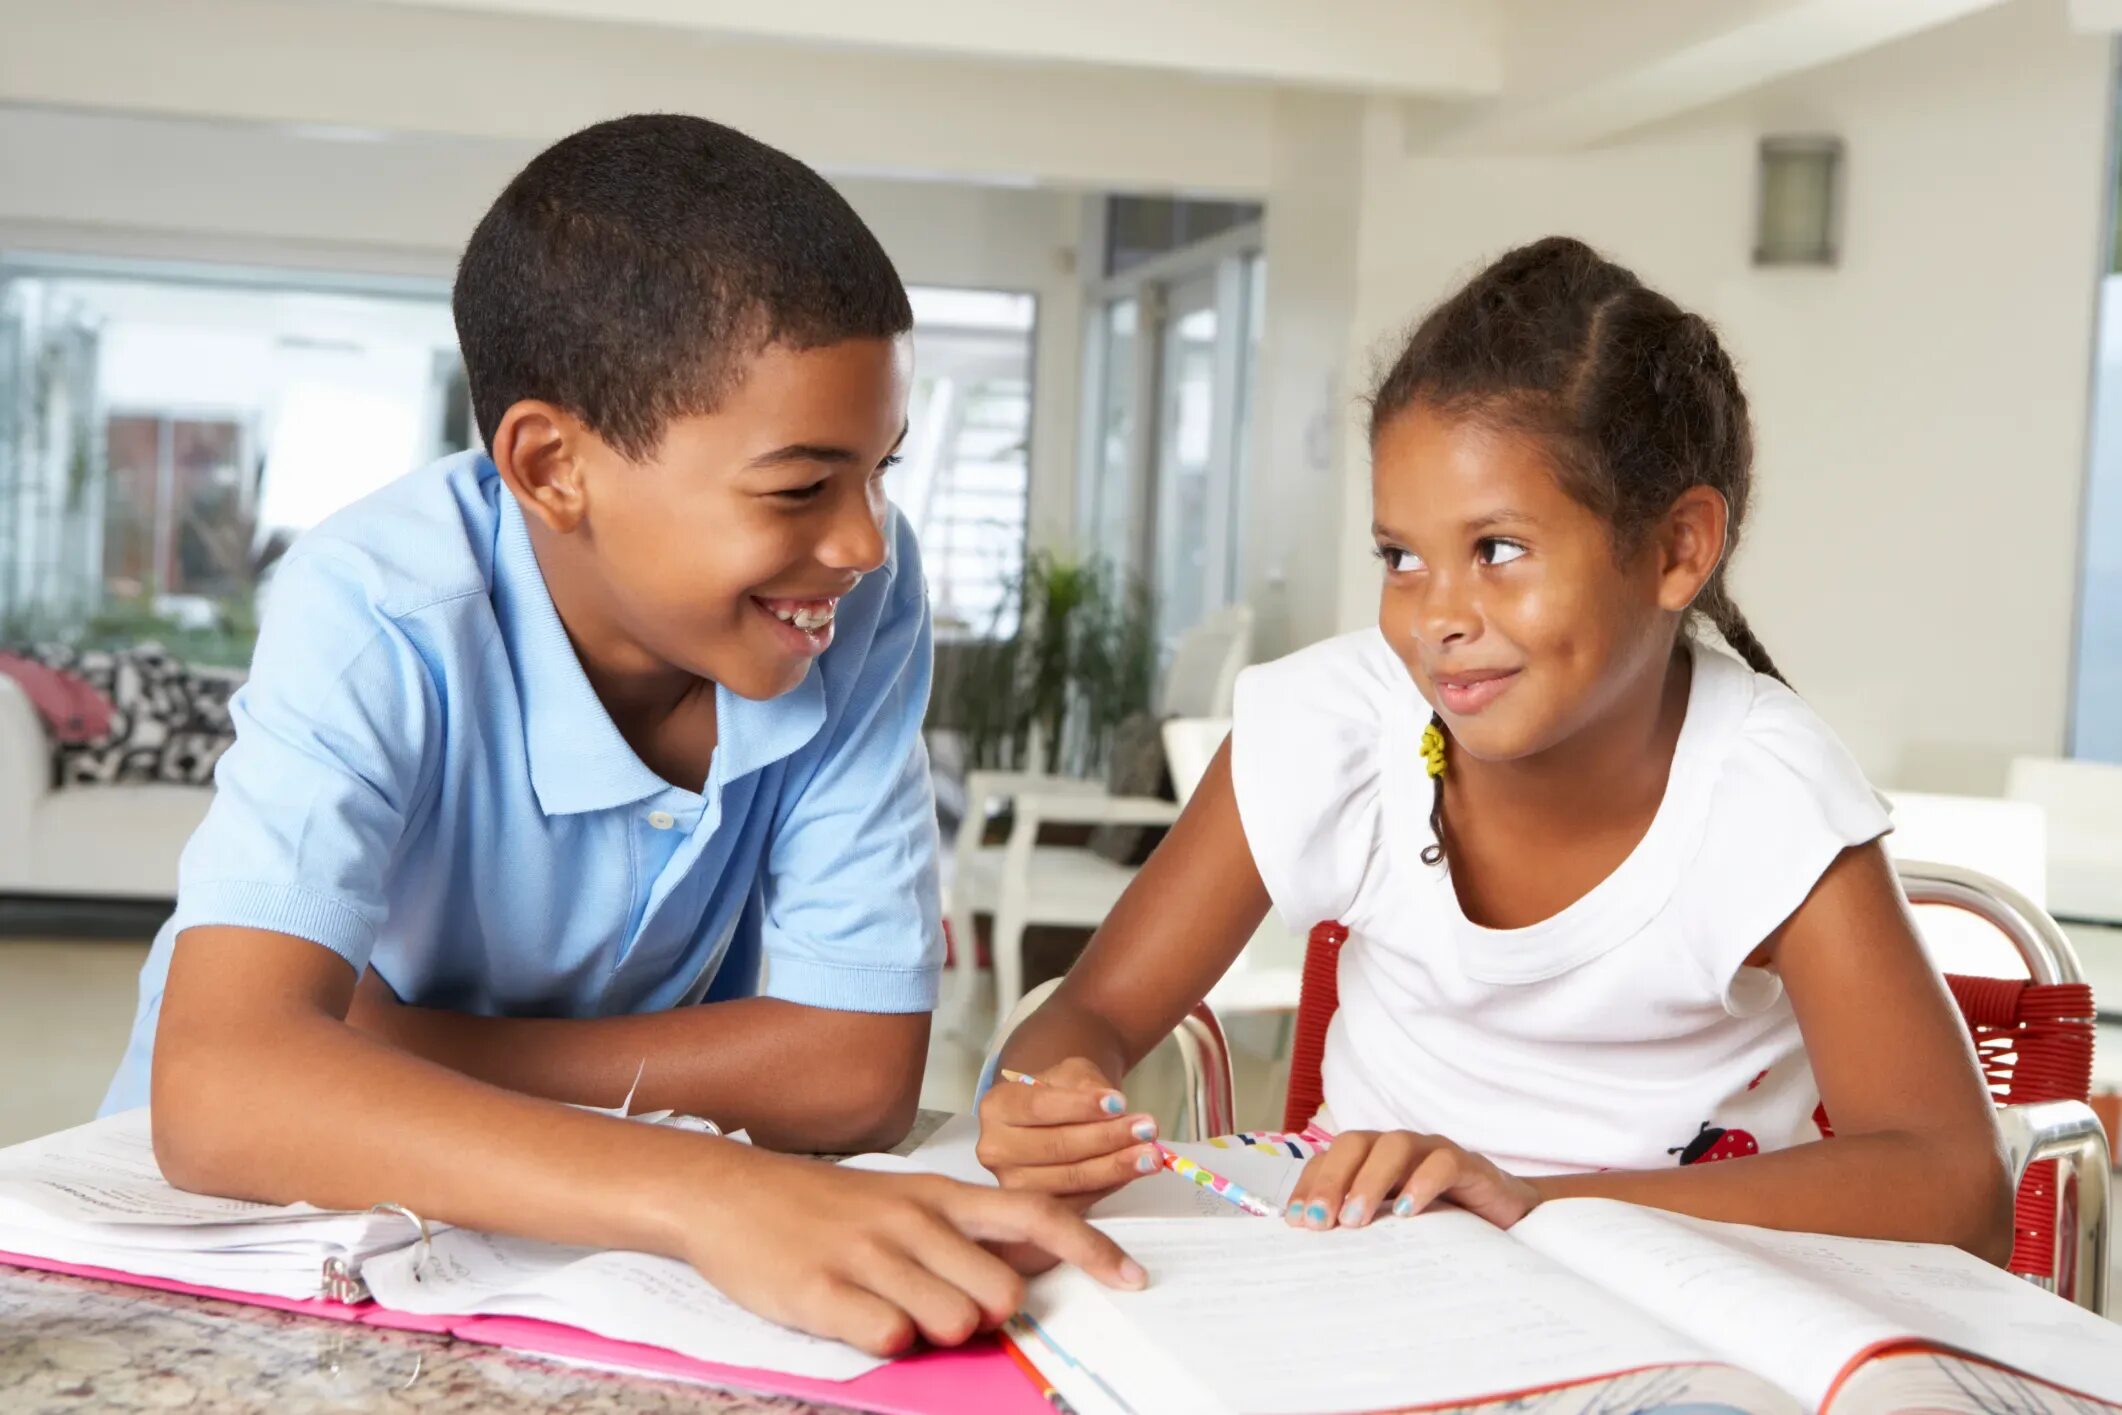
(1588, 1304)
(1601, 1305)
(1444, 1311)
(91, 1201)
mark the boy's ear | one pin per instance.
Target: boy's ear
(1691, 545)
(540, 451)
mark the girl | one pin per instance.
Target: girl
(1615, 899)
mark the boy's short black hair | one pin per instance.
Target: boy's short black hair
(631, 271)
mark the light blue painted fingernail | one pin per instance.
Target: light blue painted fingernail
(1352, 1211)
(1145, 1130)
(1112, 1105)
(1145, 1164)
(1316, 1213)
(1405, 1208)
(1296, 1208)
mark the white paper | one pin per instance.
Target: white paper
(95, 1195)
(1267, 1174)
(1274, 1319)
(950, 1152)
(1799, 1306)
(626, 1296)
(1271, 1174)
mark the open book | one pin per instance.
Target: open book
(1445, 1311)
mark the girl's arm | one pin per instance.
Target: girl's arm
(1916, 1152)
(1172, 935)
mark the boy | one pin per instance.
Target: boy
(548, 752)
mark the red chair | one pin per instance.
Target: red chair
(2034, 1037)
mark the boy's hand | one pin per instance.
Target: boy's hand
(876, 1260)
(1070, 1135)
(1365, 1174)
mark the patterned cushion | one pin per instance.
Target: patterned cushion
(170, 724)
(1136, 767)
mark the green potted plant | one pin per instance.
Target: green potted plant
(1047, 695)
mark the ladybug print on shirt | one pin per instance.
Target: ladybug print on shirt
(1712, 1143)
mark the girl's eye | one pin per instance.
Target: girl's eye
(1397, 559)
(887, 464)
(1500, 552)
(800, 494)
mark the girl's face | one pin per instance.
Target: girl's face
(1503, 594)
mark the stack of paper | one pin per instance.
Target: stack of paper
(94, 1195)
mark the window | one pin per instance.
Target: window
(166, 433)
(966, 479)
(1171, 363)
(2096, 706)
(1112, 488)
(164, 436)
(1140, 229)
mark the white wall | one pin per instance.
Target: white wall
(1295, 490)
(116, 184)
(1920, 409)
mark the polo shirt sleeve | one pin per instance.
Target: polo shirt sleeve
(852, 917)
(332, 745)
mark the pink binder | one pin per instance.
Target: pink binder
(979, 1376)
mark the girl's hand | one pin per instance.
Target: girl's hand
(1070, 1135)
(1366, 1173)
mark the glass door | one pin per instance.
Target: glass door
(1192, 445)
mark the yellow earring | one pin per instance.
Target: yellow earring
(1433, 749)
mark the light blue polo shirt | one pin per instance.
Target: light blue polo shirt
(424, 781)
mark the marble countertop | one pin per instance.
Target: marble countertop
(75, 1345)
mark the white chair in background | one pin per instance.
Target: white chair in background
(2005, 840)
(2083, 801)
(1022, 882)
(1268, 974)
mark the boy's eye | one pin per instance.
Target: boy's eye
(1500, 552)
(1397, 559)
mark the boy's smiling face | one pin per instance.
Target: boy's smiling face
(725, 552)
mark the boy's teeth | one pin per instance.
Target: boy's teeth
(806, 617)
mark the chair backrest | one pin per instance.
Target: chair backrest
(1204, 669)
(1190, 744)
(2033, 1035)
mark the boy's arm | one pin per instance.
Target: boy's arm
(798, 1078)
(262, 1092)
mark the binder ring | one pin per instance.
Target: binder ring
(424, 1249)
(342, 1280)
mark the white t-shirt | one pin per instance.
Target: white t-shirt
(1624, 1032)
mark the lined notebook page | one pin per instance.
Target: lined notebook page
(1272, 1320)
(1804, 1305)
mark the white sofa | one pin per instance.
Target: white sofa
(104, 842)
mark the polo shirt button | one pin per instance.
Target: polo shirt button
(662, 820)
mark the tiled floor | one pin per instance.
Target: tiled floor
(65, 1011)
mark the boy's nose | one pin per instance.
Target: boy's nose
(855, 539)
